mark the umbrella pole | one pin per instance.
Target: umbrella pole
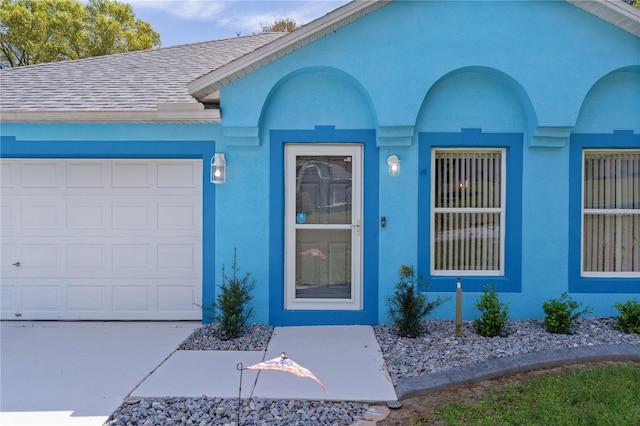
(239, 367)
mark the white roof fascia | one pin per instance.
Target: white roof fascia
(166, 113)
(616, 12)
(208, 83)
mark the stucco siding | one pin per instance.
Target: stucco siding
(539, 69)
(613, 103)
(400, 51)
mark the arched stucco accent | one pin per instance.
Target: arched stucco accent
(317, 96)
(476, 97)
(612, 103)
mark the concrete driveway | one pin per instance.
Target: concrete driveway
(78, 373)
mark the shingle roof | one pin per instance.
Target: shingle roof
(133, 81)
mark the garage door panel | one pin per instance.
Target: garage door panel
(86, 298)
(131, 174)
(130, 297)
(176, 298)
(8, 298)
(41, 174)
(116, 257)
(115, 177)
(114, 299)
(8, 175)
(133, 215)
(176, 256)
(173, 175)
(41, 259)
(45, 214)
(8, 256)
(131, 258)
(6, 216)
(87, 258)
(86, 174)
(104, 237)
(86, 216)
(41, 298)
(176, 216)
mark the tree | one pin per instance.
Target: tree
(37, 31)
(284, 25)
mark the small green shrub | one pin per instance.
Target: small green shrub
(493, 313)
(231, 308)
(561, 313)
(408, 306)
(629, 319)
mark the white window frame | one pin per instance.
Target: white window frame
(610, 212)
(501, 210)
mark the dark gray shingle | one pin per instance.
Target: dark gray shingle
(128, 81)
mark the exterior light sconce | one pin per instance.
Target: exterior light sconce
(394, 165)
(218, 168)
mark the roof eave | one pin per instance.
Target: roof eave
(616, 12)
(161, 115)
(215, 80)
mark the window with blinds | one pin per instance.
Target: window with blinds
(611, 213)
(468, 211)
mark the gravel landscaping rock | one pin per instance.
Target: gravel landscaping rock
(436, 350)
(216, 411)
(210, 337)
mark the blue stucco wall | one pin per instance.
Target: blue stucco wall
(399, 52)
(539, 69)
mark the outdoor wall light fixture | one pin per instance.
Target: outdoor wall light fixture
(218, 168)
(394, 165)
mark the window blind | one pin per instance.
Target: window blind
(611, 212)
(468, 210)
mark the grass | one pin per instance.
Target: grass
(594, 396)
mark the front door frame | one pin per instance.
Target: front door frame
(278, 315)
(354, 227)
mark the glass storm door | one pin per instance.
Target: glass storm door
(323, 216)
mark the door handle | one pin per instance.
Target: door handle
(357, 226)
(17, 264)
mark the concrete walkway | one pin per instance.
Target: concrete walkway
(346, 359)
(78, 373)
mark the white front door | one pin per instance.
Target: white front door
(323, 219)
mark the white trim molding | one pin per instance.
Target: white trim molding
(165, 113)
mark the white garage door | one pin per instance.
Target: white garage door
(101, 239)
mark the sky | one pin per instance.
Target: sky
(191, 21)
